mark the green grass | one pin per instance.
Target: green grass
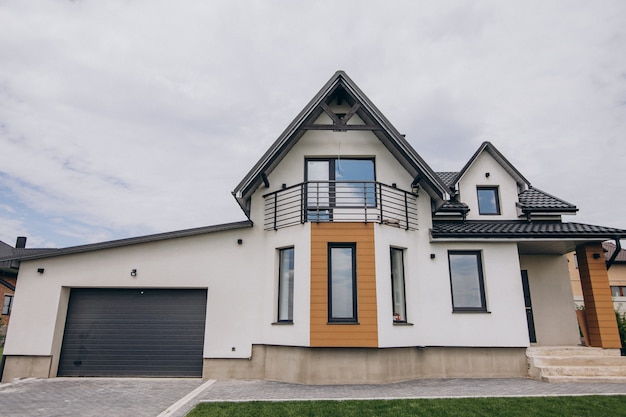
(588, 406)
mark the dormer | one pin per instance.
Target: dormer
(489, 187)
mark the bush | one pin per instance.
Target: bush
(621, 326)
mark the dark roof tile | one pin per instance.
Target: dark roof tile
(521, 229)
(534, 199)
(447, 177)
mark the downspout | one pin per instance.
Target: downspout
(618, 248)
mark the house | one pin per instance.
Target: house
(616, 266)
(357, 264)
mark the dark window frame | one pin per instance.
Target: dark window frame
(332, 190)
(7, 305)
(347, 320)
(289, 318)
(393, 289)
(496, 193)
(481, 281)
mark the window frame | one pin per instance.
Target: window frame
(481, 281)
(281, 282)
(496, 194)
(331, 194)
(346, 320)
(7, 306)
(402, 318)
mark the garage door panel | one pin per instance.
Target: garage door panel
(134, 332)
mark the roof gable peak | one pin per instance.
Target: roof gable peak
(489, 148)
(340, 105)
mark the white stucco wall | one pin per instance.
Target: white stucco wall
(242, 279)
(552, 299)
(498, 177)
(214, 261)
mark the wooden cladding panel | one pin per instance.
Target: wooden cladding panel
(599, 313)
(365, 333)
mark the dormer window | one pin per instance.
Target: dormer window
(488, 200)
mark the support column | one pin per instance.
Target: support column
(599, 310)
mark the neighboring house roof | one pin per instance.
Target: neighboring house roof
(610, 249)
(341, 84)
(7, 284)
(536, 200)
(48, 253)
(495, 153)
(519, 229)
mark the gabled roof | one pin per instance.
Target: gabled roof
(535, 200)
(495, 153)
(341, 85)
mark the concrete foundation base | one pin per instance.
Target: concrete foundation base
(26, 367)
(321, 366)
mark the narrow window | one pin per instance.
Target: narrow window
(397, 285)
(488, 200)
(342, 283)
(285, 284)
(6, 307)
(466, 280)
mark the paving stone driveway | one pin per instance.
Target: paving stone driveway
(86, 397)
(92, 397)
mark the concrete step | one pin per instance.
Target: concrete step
(583, 371)
(575, 364)
(590, 379)
(577, 361)
(570, 351)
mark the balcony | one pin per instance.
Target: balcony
(340, 201)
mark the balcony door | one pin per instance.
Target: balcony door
(338, 183)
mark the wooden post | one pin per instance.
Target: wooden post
(599, 310)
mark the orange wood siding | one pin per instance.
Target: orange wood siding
(599, 313)
(365, 333)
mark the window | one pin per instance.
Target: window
(618, 291)
(285, 284)
(342, 283)
(466, 280)
(488, 200)
(397, 285)
(337, 182)
(8, 302)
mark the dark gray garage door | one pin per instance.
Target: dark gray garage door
(134, 332)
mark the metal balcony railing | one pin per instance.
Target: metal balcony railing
(340, 201)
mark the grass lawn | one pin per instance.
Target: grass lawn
(588, 406)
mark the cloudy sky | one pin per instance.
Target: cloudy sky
(125, 118)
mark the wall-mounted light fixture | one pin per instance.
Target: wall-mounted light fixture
(40, 270)
(487, 175)
(240, 241)
(133, 272)
(432, 256)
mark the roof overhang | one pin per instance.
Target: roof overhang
(133, 241)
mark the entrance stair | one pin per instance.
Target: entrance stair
(576, 364)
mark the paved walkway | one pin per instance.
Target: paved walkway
(139, 397)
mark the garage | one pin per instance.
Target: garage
(134, 333)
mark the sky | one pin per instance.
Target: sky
(131, 117)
